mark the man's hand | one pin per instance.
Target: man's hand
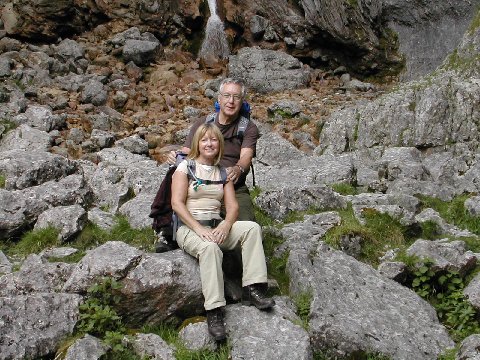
(171, 157)
(233, 173)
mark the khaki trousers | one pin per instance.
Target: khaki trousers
(244, 234)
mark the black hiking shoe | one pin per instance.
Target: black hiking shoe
(216, 327)
(252, 295)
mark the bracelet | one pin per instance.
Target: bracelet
(241, 168)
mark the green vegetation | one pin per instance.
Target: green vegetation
(169, 333)
(93, 235)
(99, 318)
(319, 128)
(445, 292)
(475, 24)
(344, 189)
(3, 179)
(303, 302)
(7, 125)
(352, 3)
(380, 231)
(454, 212)
(35, 241)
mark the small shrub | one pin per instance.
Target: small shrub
(445, 292)
(97, 314)
(3, 180)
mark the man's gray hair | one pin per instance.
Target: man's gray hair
(233, 81)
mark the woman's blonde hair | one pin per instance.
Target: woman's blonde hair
(199, 134)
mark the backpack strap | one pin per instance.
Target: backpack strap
(210, 118)
(197, 181)
(242, 125)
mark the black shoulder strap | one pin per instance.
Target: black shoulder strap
(242, 126)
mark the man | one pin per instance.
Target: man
(239, 150)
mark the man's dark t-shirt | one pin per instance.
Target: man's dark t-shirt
(233, 144)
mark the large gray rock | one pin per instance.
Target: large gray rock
(426, 34)
(114, 259)
(36, 275)
(272, 149)
(279, 203)
(28, 329)
(141, 52)
(152, 346)
(41, 118)
(26, 138)
(86, 348)
(423, 114)
(137, 210)
(268, 71)
(68, 220)
(287, 341)
(305, 172)
(307, 234)
(355, 309)
(446, 255)
(162, 286)
(24, 169)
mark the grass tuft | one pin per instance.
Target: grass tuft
(34, 241)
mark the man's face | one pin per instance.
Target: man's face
(230, 100)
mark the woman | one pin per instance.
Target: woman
(204, 234)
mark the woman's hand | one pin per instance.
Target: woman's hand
(206, 234)
(221, 232)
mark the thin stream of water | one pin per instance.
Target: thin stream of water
(215, 42)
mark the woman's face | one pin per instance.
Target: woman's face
(209, 145)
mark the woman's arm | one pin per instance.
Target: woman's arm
(179, 199)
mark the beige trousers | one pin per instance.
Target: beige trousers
(244, 234)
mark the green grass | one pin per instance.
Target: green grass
(453, 212)
(3, 180)
(276, 266)
(379, 232)
(303, 302)
(344, 189)
(34, 241)
(93, 236)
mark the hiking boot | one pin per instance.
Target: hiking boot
(216, 327)
(252, 295)
(165, 243)
(162, 247)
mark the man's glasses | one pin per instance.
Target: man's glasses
(235, 97)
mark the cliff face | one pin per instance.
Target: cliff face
(378, 37)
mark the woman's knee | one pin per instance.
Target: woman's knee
(211, 248)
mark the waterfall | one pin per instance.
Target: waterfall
(215, 41)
